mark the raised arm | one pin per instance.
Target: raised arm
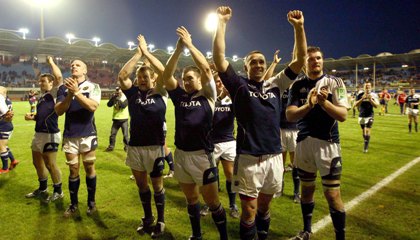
(219, 43)
(56, 72)
(198, 57)
(272, 66)
(295, 18)
(168, 74)
(127, 70)
(156, 64)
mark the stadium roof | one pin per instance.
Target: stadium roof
(13, 44)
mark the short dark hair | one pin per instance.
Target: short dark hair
(50, 77)
(312, 49)
(191, 68)
(252, 52)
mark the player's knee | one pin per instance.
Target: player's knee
(158, 167)
(331, 184)
(307, 179)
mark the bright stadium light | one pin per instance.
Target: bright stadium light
(96, 40)
(70, 36)
(366, 68)
(186, 52)
(235, 58)
(170, 49)
(151, 47)
(24, 31)
(42, 4)
(333, 70)
(404, 65)
(209, 55)
(211, 22)
(130, 45)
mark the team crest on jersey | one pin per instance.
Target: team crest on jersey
(303, 90)
(252, 86)
(341, 93)
(85, 88)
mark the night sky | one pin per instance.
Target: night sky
(339, 27)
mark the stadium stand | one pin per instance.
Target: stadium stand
(18, 55)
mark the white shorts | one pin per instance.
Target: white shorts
(145, 158)
(196, 167)
(6, 135)
(80, 145)
(288, 139)
(225, 150)
(364, 120)
(253, 175)
(412, 112)
(314, 154)
(46, 142)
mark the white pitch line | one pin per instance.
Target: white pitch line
(348, 206)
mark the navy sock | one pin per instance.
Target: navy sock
(367, 139)
(219, 218)
(74, 184)
(232, 195)
(160, 205)
(307, 209)
(409, 127)
(247, 230)
(263, 224)
(416, 127)
(12, 158)
(170, 160)
(5, 160)
(339, 222)
(57, 188)
(296, 181)
(146, 201)
(91, 188)
(194, 213)
(43, 184)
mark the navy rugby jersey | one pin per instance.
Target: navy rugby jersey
(147, 116)
(46, 118)
(6, 126)
(365, 107)
(80, 122)
(317, 123)
(223, 121)
(257, 110)
(193, 120)
(284, 123)
(412, 99)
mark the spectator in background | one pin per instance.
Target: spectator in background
(401, 100)
(32, 100)
(412, 109)
(79, 98)
(47, 136)
(6, 130)
(387, 98)
(119, 103)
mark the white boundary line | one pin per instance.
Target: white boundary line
(348, 206)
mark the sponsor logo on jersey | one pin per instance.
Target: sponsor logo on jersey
(148, 101)
(222, 109)
(190, 104)
(262, 95)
